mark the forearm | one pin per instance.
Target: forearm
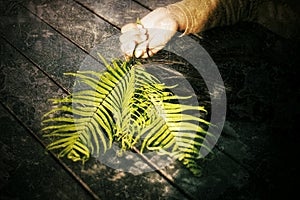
(194, 16)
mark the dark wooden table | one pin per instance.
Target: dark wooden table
(254, 158)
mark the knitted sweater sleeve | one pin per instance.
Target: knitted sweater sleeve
(280, 16)
(198, 15)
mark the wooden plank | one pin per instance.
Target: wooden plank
(238, 50)
(197, 187)
(25, 92)
(242, 53)
(115, 11)
(30, 104)
(54, 54)
(25, 169)
(245, 142)
(231, 145)
(73, 21)
(51, 21)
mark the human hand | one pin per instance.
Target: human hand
(151, 35)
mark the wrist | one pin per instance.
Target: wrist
(183, 17)
(178, 14)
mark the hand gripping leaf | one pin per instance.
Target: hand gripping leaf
(128, 105)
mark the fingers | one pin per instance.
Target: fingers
(134, 35)
(147, 39)
(136, 45)
(128, 48)
(157, 41)
(133, 40)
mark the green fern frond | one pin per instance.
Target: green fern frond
(124, 104)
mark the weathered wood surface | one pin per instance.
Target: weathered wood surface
(52, 9)
(54, 37)
(116, 12)
(26, 170)
(27, 98)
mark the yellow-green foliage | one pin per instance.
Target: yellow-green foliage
(124, 104)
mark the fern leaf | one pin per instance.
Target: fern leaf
(124, 103)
